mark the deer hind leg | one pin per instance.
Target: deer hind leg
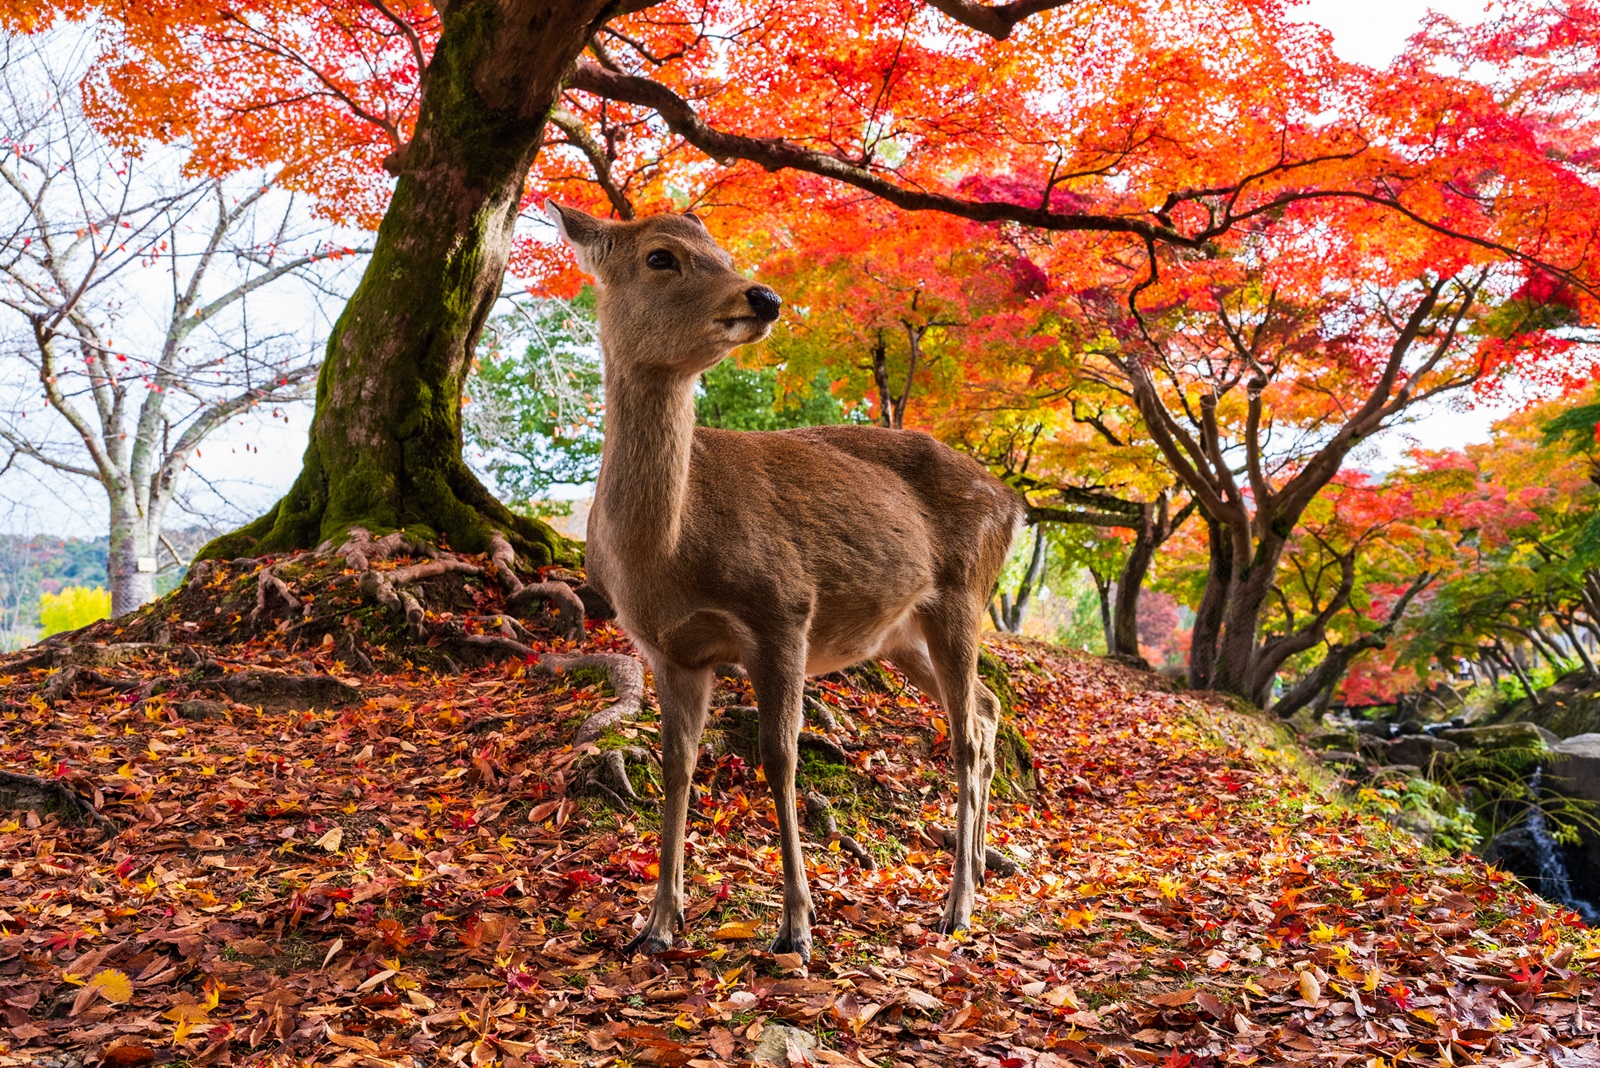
(779, 683)
(986, 713)
(953, 648)
(684, 695)
(911, 657)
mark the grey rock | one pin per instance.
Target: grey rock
(1396, 771)
(1501, 736)
(781, 1044)
(1575, 768)
(1419, 749)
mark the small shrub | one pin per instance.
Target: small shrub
(73, 607)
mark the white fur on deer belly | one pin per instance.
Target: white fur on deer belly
(838, 655)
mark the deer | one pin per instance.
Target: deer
(790, 553)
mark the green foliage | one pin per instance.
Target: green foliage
(1510, 688)
(1428, 806)
(73, 607)
(533, 416)
(732, 397)
(1575, 427)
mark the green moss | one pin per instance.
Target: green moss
(1014, 778)
(992, 670)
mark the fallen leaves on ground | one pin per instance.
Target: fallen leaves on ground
(414, 879)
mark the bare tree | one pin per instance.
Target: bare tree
(132, 334)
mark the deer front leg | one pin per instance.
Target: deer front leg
(683, 694)
(780, 693)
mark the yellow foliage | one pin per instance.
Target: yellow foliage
(73, 607)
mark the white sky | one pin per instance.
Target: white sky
(253, 462)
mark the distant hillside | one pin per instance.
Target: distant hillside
(38, 564)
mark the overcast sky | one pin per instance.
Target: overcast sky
(252, 463)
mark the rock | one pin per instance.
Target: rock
(1334, 756)
(780, 1044)
(1413, 726)
(1501, 736)
(1391, 772)
(1331, 740)
(1419, 749)
(1376, 728)
(1373, 747)
(1575, 769)
(198, 710)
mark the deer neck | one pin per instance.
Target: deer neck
(644, 464)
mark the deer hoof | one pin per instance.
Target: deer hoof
(790, 944)
(647, 942)
(949, 926)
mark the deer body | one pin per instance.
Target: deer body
(791, 553)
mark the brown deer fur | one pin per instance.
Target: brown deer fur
(791, 553)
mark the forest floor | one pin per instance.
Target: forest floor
(413, 877)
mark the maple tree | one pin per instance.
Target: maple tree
(1120, 132)
(1524, 584)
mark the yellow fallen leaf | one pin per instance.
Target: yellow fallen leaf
(1310, 989)
(737, 931)
(332, 840)
(113, 985)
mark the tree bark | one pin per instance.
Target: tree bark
(130, 540)
(385, 450)
(1207, 633)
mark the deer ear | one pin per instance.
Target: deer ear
(696, 218)
(585, 233)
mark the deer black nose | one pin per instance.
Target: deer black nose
(764, 302)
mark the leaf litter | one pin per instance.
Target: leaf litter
(416, 877)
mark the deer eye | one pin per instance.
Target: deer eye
(661, 260)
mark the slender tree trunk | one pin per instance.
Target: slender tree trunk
(1016, 611)
(1103, 585)
(130, 542)
(385, 449)
(1574, 639)
(1125, 611)
(1203, 646)
(1510, 658)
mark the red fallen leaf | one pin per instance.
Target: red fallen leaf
(128, 1056)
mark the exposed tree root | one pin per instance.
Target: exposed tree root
(819, 817)
(263, 687)
(569, 608)
(43, 796)
(271, 589)
(824, 747)
(608, 774)
(64, 683)
(822, 715)
(625, 674)
(627, 685)
(993, 859)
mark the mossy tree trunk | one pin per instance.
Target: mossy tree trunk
(385, 450)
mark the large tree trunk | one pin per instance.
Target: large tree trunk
(1241, 624)
(385, 449)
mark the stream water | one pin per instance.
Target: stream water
(1550, 878)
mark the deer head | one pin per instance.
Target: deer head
(669, 297)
